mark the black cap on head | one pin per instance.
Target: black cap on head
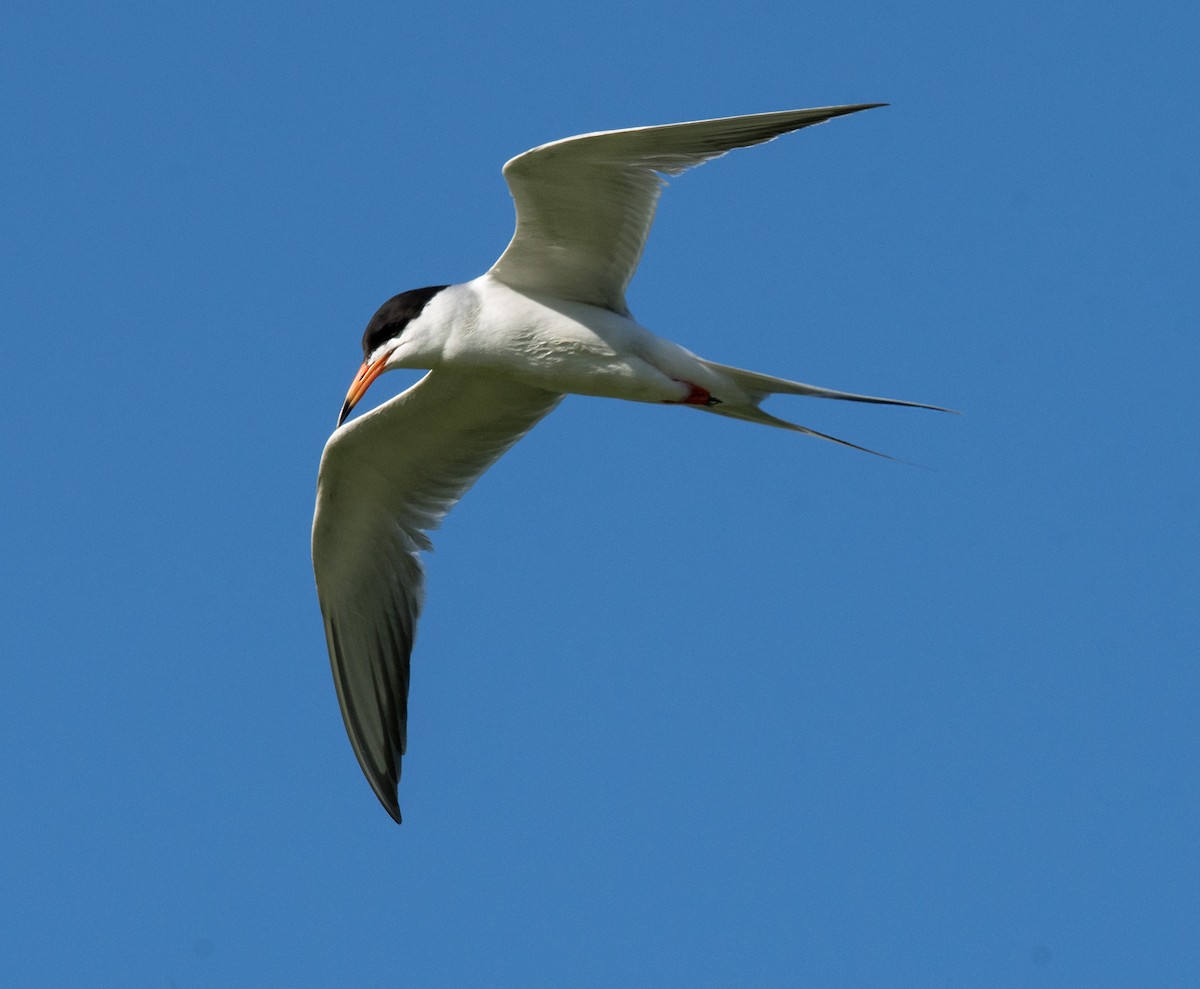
(395, 314)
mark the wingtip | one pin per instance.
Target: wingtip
(392, 806)
(387, 789)
(856, 107)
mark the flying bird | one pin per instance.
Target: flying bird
(548, 319)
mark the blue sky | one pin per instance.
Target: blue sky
(694, 703)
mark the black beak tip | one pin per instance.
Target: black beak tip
(346, 407)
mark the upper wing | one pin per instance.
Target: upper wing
(387, 478)
(585, 204)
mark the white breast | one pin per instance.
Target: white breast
(565, 346)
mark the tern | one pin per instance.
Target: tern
(547, 320)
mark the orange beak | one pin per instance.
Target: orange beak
(362, 381)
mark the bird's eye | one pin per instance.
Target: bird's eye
(376, 336)
(394, 315)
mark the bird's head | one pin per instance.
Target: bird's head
(386, 340)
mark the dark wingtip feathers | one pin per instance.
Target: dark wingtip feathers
(841, 111)
(387, 790)
(392, 806)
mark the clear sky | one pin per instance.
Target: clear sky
(694, 702)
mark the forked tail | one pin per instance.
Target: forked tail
(758, 386)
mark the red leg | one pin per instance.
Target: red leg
(697, 396)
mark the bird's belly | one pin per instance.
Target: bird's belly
(581, 369)
(572, 348)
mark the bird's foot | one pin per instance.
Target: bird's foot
(697, 396)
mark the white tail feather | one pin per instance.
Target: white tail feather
(758, 386)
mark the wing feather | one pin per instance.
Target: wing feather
(386, 479)
(585, 204)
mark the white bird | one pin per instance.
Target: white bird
(548, 319)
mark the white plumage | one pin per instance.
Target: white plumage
(548, 319)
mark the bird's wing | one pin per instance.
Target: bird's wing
(585, 204)
(386, 479)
